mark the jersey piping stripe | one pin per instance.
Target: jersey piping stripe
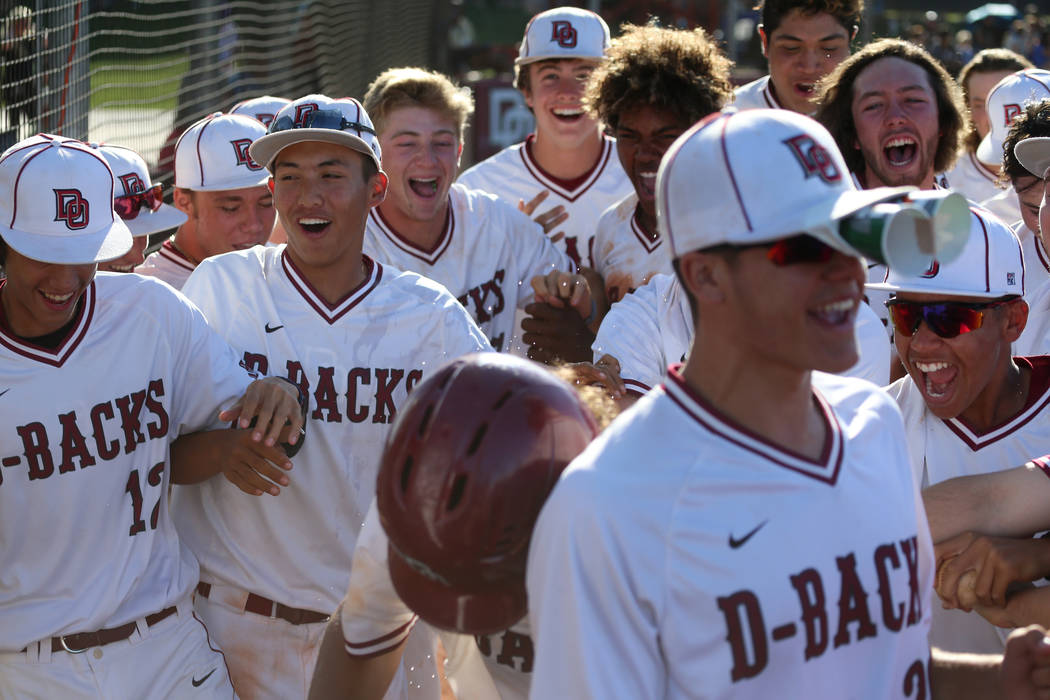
(57, 357)
(332, 312)
(732, 177)
(649, 244)
(976, 441)
(980, 168)
(1041, 254)
(572, 195)
(428, 256)
(825, 469)
(170, 252)
(767, 93)
(380, 645)
(636, 387)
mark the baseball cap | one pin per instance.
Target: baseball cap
(212, 154)
(56, 202)
(262, 109)
(563, 32)
(131, 177)
(341, 121)
(1005, 101)
(743, 177)
(989, 266)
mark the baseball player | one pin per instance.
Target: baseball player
(96, 587)
(1033, 124)
(481, 248)
(659, 582)
(803, 40)
(973, 175)
(357, 336)
(568, 156)
(655, 84)
(262, 109)
(221, 190)
(138, 202)
(478, 584)
(969, 405)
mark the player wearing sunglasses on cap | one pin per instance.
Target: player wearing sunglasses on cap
(969, 405)
(139, 203)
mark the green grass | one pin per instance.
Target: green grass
(149, 81)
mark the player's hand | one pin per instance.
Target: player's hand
(560, 289)
(255, 467)
(604, 374)
(556, 333)
(1025, 672)
(998, 561)
(550, 219)
(274, 404)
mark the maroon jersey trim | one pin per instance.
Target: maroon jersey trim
(559, 187)
(332, 312)
(169, 252)
(430, 256)
(58, 356)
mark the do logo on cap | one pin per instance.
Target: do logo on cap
(814, 158)
(132, 183)
(72, 209)
(563, 33)
(240, 146)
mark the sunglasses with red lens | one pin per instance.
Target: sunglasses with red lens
(128, 207)
(945, 319)
(799, 249)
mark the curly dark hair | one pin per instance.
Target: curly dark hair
(678, 70)
(987, 61)
(846, 12)
(835, 101)
(1034, 120)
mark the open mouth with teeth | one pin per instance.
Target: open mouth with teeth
(805, 89)
(424, 187)
(900, 151)
(313, 225)
(937, 377)
(836, 314)
(113, 267)
(58, 301)
(568, 114)
(645, 182)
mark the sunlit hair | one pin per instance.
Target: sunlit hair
(417, 87)
(1034, 120)
(846, 12)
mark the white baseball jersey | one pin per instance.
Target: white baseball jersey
(969, 178)
(513, 174)
(944, 449)
(169, 264)
(724, 568)
(486, 256)
(1036, 261)
(86, 539)
(652, 328)
(1004, 205)
(758, 94)
(1035, 338)
(375, 620)
(624, 255)
(357, 359)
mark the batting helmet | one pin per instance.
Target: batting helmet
(466, 469)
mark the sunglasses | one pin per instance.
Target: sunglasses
(802, 248)
(128, 207)
(319, 119)
(946, 319)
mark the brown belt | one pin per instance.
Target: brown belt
(78, 643)
(269, 608)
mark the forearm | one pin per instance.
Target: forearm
(956, 676)
(339, 676)
(198, 456)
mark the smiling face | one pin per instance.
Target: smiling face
(978, 85)
(555, 96)
(225, 220)
(802, 50)
(130, 260)
(39, 298)
(894, 111)
(643, 135)
(421, 150)
(323, 199)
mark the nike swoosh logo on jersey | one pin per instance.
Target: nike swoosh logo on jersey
(4, 392)
(275, 328)
(198, 683)
(738, 543)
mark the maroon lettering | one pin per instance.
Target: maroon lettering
(810, 590)
(484, 644)
(130, 406)
(154, 478)
(494, 286)
(358, 375)
(154, 391)
(414, 377)
(298, 376)
(910, 547)
(386, 381)
(106, 450)
(37, 450)
(885, 555)
(516, 646)
(740, 609)
(255, 363)
(915, 681)
(133, 489)
(853, 603)
(326, 399)
(572, 250)
(480, 313)
(74, 446)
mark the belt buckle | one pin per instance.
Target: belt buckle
(65, 646)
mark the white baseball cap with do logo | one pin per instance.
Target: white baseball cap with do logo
(56, 202)
(564, 32)
(212, 154)
(135, 198)
(1005, 101)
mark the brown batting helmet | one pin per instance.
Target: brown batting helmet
(466, 469)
